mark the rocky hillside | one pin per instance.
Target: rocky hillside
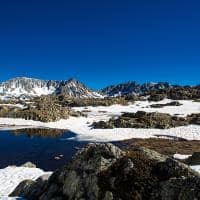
(74, 88)
(26, 88)
(29, 87)
(44, 108)
(133, 88)
(105, 172)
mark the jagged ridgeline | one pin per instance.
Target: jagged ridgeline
(28, 87)
(133, 87)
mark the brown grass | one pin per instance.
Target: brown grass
(165, 146)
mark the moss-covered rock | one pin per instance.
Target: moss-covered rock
(103, 171)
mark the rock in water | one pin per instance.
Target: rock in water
(29, 165)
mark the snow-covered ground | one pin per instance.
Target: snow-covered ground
(13, 105)
(11, 176)
(82, 126)
(196, 168)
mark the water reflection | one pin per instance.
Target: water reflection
(40, 146)
(39, 132)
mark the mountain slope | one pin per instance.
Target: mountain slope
(133, 88)
(74, 88)
(29, 87)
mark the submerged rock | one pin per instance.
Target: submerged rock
(103, 171)
(29, 165)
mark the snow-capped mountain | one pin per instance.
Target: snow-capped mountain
(29, 87)
(74, 88)
(133, 88)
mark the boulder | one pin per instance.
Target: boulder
(30, 189)
(157, 97)
(103, 171)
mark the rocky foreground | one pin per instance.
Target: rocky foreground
(104, 171)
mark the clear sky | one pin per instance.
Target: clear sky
(101, 42)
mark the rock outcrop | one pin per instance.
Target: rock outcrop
(103, 171)
(173, 103)
(176, 93)
(143, 119)
(44, 108)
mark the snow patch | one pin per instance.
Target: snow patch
(181, 156)
(195, 168)
(11, 176)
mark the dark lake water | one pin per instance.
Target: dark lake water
(47, 148)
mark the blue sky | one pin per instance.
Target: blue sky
(101, 42)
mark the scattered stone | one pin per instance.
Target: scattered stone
(102, 125)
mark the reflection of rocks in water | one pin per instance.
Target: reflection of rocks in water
(39, 132)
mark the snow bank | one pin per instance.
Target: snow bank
(11, 176)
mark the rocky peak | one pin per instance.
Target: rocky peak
(74, 88)
(133, 87)
(22, 86)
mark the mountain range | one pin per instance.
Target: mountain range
(28, 87)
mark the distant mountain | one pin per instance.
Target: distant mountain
(133, 88)
(74, 88)
(23, 87)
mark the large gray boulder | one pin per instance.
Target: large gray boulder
(103, 171)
